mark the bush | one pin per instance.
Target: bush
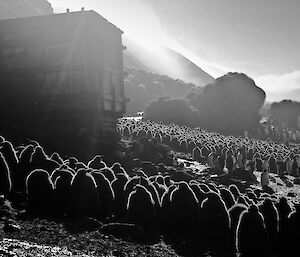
(172, 110)
(230, 105)
(285, 113)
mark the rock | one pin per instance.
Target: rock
(268, 190)
(291, 194)
(123, 230)
(84, 224)
(10, 227)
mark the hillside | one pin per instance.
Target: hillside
(23, 8)
(141, 87)
(162, 60)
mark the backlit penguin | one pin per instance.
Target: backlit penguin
(142, 134)
(72, 162)
(56, 157)
(96, 163)
(5, 180)
(191, 146)
(183, 146)
(281, 167)
(289, 166)
(211, 159)
(24, 167)
(257, 192)
(62, 190)
(273, 164)
(259, 164)
(19, 149)
(205, 188)
(198, 192)
(141, 173)
(234, 213)
(214, 218)
(120, 202)
(152, 178)
(271, 218)
(126, 132)
(40, 193)
(141, 210)
(251, 195)
(205, 151)
(130, 184)
(59, 171)
(221, 162)
(166, 139)
(39, 160)
(160, 180)
(212, 186)
(108, 173)
(229, 163)
(10, 156)
(234, 190)
(295, 168)
(165, 222)
(118, 169)
(242, 200)
(240, 163)
(80, 165)
(106, 195)
(227, 197)
(292, 231)
(161, 189)
(250, 154)
(84, 195)
(284, 209)
(184, 209)
(167, 180)
(251, 226)
(197, 155)
(151, 188)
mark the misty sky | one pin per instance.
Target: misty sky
(258, 37)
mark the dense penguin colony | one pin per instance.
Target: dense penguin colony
(154, 197)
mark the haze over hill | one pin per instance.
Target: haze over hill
(165, 61)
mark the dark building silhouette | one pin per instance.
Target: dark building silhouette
(60, 75)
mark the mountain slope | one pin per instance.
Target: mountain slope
(142, 87)
(162, 60)
(23, 8)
